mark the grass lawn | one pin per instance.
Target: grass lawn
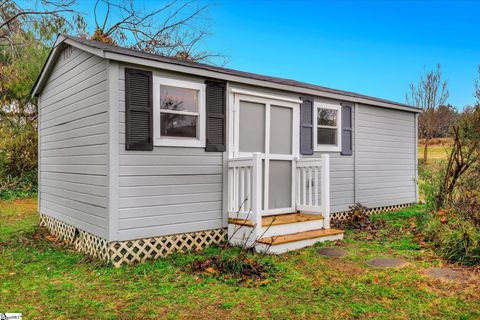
(437, 149)
(44, 281)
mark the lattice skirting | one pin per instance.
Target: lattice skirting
(85, 242)
(92, 245)
(345, 214)
(61, 230)
(128, 252)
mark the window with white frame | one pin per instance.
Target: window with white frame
(327, 127)
(179, 112)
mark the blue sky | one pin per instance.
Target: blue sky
(370, 47)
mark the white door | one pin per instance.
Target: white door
(269, 126)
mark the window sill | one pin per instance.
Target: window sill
(327, 148)
(172, 142)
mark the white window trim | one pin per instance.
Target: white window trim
(327, 105)
(158, 140)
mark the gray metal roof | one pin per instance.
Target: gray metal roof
(156, 57)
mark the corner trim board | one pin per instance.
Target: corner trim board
(113, 150)
(415, 162)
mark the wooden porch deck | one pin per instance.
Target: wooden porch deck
(278, 219)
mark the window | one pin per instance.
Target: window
(179, 113)
(327, 127)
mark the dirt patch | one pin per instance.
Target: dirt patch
(386, 263)
(332, 252)
(447, 274)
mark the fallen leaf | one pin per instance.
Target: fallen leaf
(264, 282)
(210, 270)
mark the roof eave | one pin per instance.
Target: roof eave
(198, 70)
(245, 80)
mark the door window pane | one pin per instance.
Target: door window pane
(252, 127)
(280, 184)
(175, 125)
(281, 130)
(327, 136)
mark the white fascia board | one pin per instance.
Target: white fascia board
(94, 51)
(205, 73)
(245, 80)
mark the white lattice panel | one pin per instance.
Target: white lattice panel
(92, 245)
(127, 252)
(345, 214)
(60, 229)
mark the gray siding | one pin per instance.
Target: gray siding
(385, 156)
(174, 189)
(73, 139)
(168, 190)
(342, 187)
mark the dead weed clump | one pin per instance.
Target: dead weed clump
(359, 219)
(233, 264)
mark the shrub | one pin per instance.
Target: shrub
(454, 231)
(467, 198)
(454, 238)
(431, 179)
(19, 187)
(18, 159)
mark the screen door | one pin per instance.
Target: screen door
(269, 126)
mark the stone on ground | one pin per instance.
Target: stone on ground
(386, 262)
(332, 252)
(447, 274)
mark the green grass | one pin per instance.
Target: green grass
(45, 281)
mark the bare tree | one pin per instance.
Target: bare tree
(446, 116)
(428, 94)
(477, 86)
(175, 28)
(44, 18)
(465, 153)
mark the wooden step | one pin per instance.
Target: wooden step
(300, 236)
(278, 219)
(289, 218)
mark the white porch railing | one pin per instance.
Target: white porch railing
(245, 187)
(313, 186)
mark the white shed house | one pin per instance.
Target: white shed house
(141, 155)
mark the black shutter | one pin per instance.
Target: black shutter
(347, 129)
(138, 110)
(306, 126)
(215, 109)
